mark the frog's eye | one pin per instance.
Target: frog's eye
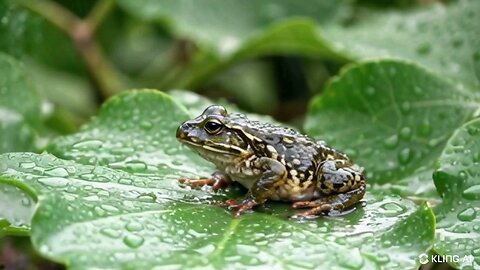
(213, 127)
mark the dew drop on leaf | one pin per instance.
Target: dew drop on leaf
(110, 208)
(89, 144)
(392, 209)
(405, 155)
(146, 125)
(406, 133)
(147, 197)
(53, 181)
(60, 172)
(370, 91)
(468, 214)
(472, 193)
(134, 226)
(391, 142)
(112, 233)
(406, 107)
(27, 165)
(133, 240)
(424, 48)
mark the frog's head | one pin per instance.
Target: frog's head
(214, 134)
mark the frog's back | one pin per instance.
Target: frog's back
(293, 149)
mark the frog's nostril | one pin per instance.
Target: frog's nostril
(182, 130)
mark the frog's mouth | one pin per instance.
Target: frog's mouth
(213, 147)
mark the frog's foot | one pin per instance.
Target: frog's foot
(239, 207)
(216, 181)
(317, 207)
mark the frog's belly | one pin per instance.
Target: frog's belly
(288, 192)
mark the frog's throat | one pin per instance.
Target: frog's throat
(218, 148)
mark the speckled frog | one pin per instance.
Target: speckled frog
(272, 162)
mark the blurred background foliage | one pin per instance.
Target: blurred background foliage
(78, 53)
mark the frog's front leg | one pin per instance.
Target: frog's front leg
(274, 174)
(217, 180)
(341, 185)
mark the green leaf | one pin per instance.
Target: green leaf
(116, 203)
(392, 117)
(19, 107)
(443, 38)
(17, 205)
(458, 181)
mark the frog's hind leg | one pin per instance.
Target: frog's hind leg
(329, 203)
(341, 185)
(217, 180)
(274, 175)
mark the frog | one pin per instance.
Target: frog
(273, 162)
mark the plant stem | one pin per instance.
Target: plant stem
(107, 79)
(98, 14)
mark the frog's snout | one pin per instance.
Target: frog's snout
(182, 130)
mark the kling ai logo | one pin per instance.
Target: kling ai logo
(423, 258)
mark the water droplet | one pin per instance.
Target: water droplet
(146, 125)
(472, 193)
(370, 91)
(405, 155)
(425, 129)
(133, 240)
(391, 142)
(147, 197)
(54, 181)
(60, 172)
(90, 144)
(27, 165)
(467, 214)
(26, 202)
(392, 209)
(406, 133)
(136, 166)
(472, 130)
(424, 48)
(125, 181)
(110, 208)
(434, 142)
(112, 233)
(406, 106)
(134, 226)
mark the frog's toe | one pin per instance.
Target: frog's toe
(303, 204)
(196, 183)
(245, 206)
(314, 212)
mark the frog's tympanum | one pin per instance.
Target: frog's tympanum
(272, 162)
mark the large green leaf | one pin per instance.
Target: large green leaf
(444, 38)
(458, 181)
(115, 203)
(393, 118)
(19, 107)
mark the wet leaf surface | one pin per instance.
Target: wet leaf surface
(458, 181)
(19, 107)
(443, 38)
(393, 118)
(102, 204)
